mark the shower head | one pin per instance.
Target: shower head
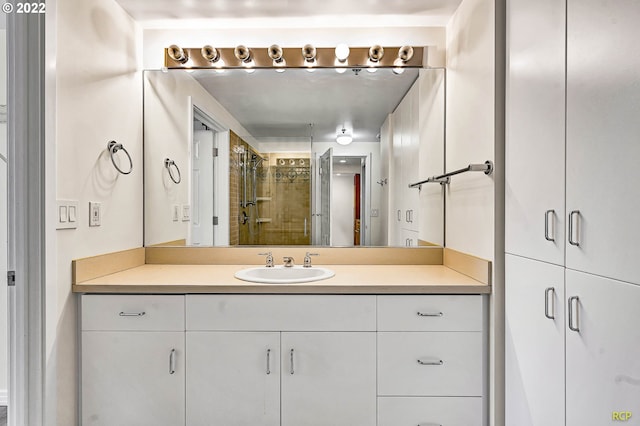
(257, 160)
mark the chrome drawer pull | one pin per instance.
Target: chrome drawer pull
(548, 291)
(429, 314)
(132, 314)
(439, 362)
(429, 424)
(572, 215)
(268, 361)
(291, 371)
(172, 361)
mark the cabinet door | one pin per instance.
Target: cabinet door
(133, 378)
(233, 378)
(328, 379)
(396, 219)
(603, 106)
(534, 343)
(603, 357)
(535, 138)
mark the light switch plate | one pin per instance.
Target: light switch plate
(95, 213)
(175, 212)
(66, 214)
(186, 212)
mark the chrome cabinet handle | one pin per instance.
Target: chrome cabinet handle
(132, 314)
(439, 362)
(172, 361)
(268, 361)
(576, 214)
(411, 216)
(573, 299)
(399, 215)
(291, 371)
(305, 226)
(547, 227)
(548, 291)
(429, 424)
(429, 314)
(407, 216)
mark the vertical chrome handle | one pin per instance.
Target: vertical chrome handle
(549, 291)
(399, 215)
(291, 371)
(172, 361)
(410, 216)
(268, 361)
(406, 216)
(547, 227)
(573, 299)
(576, 214)
(305, 226)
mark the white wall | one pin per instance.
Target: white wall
(168, 127)
(473, 208)
(98, 97)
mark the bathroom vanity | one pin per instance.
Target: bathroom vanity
(382, 345)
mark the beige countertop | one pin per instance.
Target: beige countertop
(349, 279)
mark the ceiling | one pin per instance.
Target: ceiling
(281, 106)
(147, 10)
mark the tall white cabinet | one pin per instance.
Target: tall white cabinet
(572, 284)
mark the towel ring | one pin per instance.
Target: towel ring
(167, 164)
(113, 147)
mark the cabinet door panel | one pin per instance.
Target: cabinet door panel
(535, 139)
(603, 358)
(126, 378)
(603, 106)
(330, 379)
(229, 381)
(534, 343)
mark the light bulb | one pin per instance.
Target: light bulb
(342, 52)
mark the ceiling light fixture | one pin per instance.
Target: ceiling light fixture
(177, 54)
(276, 54)
(344, 138)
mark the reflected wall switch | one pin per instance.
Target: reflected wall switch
(175, 212)
(66, 214)
(186, 213)
(95, 214)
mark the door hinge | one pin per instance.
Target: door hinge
(215, 220)
(215, 152)
(11, 278)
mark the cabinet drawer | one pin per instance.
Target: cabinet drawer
(430, 411)
(281, 313)
(132, 312)
(430, 313)
(430, 364)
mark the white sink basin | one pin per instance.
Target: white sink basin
(282, 275)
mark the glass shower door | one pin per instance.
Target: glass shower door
(326, 166)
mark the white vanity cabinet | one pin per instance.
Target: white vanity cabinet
(289, 360)
(133, 360)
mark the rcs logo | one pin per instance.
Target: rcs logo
(621, 416)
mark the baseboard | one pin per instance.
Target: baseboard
(4, 397)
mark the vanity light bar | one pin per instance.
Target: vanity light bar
(325, 57)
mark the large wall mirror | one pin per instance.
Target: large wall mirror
(238, 158)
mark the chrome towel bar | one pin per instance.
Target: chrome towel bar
(445, 179)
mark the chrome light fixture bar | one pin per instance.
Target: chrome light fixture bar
(309, 57)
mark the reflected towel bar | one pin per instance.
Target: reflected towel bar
(445, 179)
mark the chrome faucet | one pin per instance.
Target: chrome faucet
(269, 260)
(288, 261)
(307, 259)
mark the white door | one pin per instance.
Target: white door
(233, 378)
(534, 340)
(326, 171)
(202, 187)
(328, 379)
(603, 357)
(535, 139)
(603, 149)
(133, 378)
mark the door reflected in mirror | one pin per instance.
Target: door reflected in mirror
(260, 162)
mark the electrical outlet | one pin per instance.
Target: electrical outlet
(175, 212)
(375, 213)
(67, 214)
(95, 213)
(186, 212)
